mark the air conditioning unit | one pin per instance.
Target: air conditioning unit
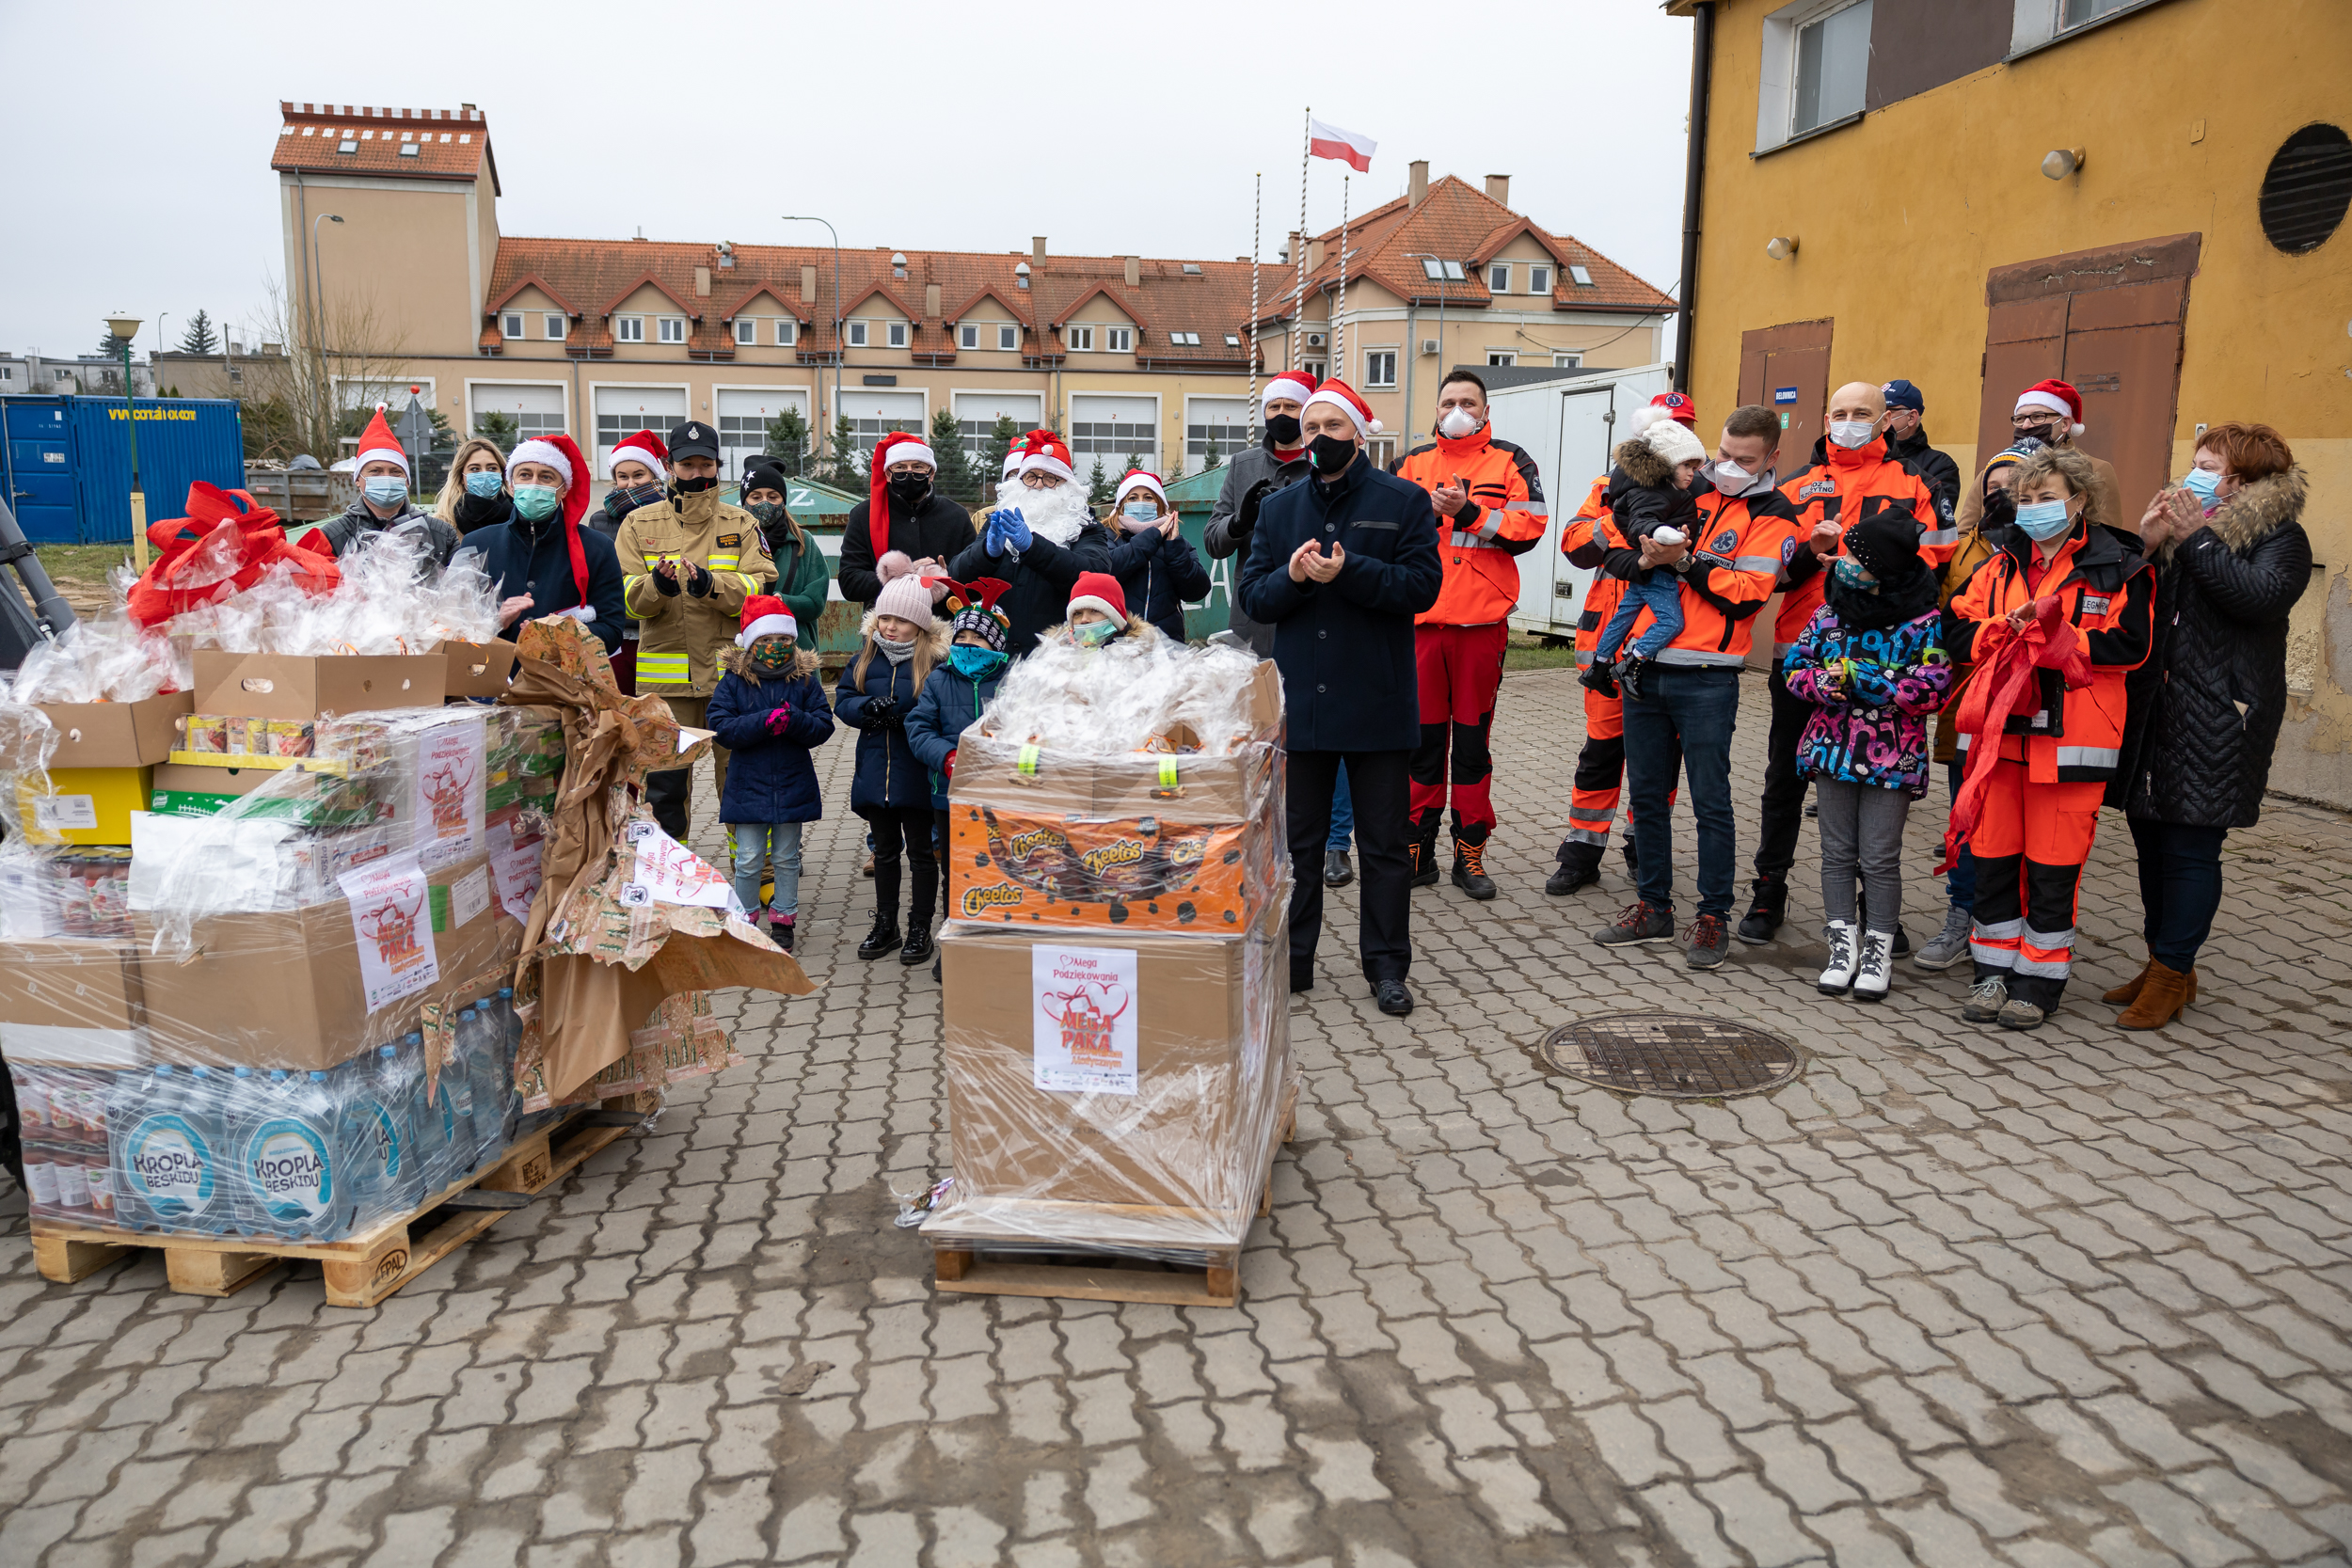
(1316, 340)
(1429, 346)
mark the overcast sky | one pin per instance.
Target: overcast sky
(144, 183)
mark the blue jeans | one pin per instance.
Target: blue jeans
(756, 843)
(1343, 817)
(1661, 594)
(1961, 881)
(1689, 714)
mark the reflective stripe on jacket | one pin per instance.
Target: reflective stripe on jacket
(1583, 538)
(1844, 488)
(1505, 516)
(2109, 599)
(679, 636)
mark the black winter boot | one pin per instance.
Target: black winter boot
(1580, 867)
(1424, 850)
(1766, 913)
(883, 938)
(1469, 863)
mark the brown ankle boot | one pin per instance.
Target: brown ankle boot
(2129, 990)
(2159, 1000)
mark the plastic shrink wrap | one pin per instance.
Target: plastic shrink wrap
(1116, 968)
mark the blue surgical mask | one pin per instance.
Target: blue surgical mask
(2202, 484)
(1095, 633)
(976, 663)
(484, 482)
(1142, 512)
(535, 501)
(386, 490)
(2043, 519)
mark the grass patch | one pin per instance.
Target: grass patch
(1528, 653)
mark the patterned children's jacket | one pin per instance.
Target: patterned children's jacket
(1872, 692)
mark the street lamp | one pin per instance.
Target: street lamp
(124, 329)
(837, 353)
(318, 295)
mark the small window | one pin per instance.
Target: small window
(1832, 63)
(1567, 361)
(1501, 357)
(65, 375)
(513, 326)
(408, 150)
(897, 334)
(1432, 268)
(1380, 368)
(1538, 280)
(1192, 269)
(2080, 13)
(788, 332)
(629, 329)
(1499, 279)
(857, 334)
(967, 337)
(1008, 337)
(1122, 340)
(747, 330)
(346, 145)
(673, 329)
(1580, 276)
(1232, 340)
(1082, 339)
(553, 326)
(1187, 339)
(8, 373)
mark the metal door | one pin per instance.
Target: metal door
(1786, 368)
(41, 471)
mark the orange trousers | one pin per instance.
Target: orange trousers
(2029, 847)
(1600, 776)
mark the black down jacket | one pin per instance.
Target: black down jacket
(2205, 708)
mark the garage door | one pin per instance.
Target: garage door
(874, 413)
(977, 414)
(743, 416)
(1214, 428)
(1114, 429)
(526, 409)
(622, 411)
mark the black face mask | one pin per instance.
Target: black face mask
(1331, 456)
(695, 486)
(2000, 509)
(909, 490)
(1281, 430)
(769, 513)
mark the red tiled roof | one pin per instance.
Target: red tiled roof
(449, 143)
(1458, 222)
(1211, 301)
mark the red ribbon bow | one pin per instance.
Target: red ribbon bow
(2004, 685)
(222, 547)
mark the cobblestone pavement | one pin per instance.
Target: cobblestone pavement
(1955, 1296)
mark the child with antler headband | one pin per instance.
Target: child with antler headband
(955, 692)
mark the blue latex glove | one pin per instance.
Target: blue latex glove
(992, 533)
(1012, 528)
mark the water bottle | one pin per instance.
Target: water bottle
(386, 1171)
(510, 1032)
(479, 1024)
(125, 1102)
(287, 1141)
(172, 1170)
(241, 1107)
(439, 1130)
(457, 1079)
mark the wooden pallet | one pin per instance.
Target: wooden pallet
(1080, 1274)
(364, 1269)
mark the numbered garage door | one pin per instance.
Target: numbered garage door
(874, 413)
(1115, 430)
(743, 416)
(514, 411)
(622, 411)
(977, 414)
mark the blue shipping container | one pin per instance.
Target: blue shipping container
(67, 461)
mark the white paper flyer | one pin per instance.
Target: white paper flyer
(1084, 1023)
(449, 806)
(667, 872)
(394, 927)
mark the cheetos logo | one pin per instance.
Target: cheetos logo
(1126, 851)
(978, 900)
(1021, 845)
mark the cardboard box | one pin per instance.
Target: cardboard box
(116, 734)
(284, 685)
(1177, 1162)
(72, 1002)
(478, 669)
(284, 989)
(91, 805)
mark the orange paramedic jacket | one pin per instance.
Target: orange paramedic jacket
(1504, 517)
(1843, 488)
(1734, 564)
(1591, 532)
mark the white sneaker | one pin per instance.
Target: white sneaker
(1838, 976)
(1878, 962)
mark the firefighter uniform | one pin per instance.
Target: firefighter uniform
(1843, 488)
(1458, 642)
(679, 634)
(2041, 812)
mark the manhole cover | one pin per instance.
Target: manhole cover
(1683, 1058)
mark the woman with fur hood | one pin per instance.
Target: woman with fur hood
(2230, 560)
(769, 711)
(891, 788)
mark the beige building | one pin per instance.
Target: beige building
(1131, 357)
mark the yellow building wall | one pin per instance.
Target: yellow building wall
(1899, 216)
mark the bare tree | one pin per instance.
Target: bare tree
(322, 385)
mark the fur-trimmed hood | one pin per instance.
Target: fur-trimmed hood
(2257, 510)
(1643, 464)
(738, 661)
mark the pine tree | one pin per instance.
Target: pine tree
(1100, 486)
(1212, 460)
(110, 346)
(956, 481)
(840, 468)
(789, 441)
(198, 338)
(492, 427)
(1000, 439)
(1135, 461)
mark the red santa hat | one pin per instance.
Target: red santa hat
(377, 444)
(646, 448)
(1292, 385)
(1043, 449)
(897, 447)
(563, 454)
(2056, 396)
(1099, 590)
(1677, 405)
(1339, 395)
(1139, 478)
(764, 615)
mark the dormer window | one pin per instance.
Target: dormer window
(1538, 279)
(1082, 340)
(673, 329)
(747, 330)
(554, 326)
(897, 334)
(967, 337)
(1499, 277)
(1122, 340)
(513, 326)
(1008, 337)
(788, 332)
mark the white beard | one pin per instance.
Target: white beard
(1059, 514)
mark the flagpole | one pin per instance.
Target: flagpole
(1298, 317)
(1257, 242)
(1339, 312)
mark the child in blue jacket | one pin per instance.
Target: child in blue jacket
(890, 789)
(768, 711)
(977, 652)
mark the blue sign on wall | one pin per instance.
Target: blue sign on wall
(1784, 395)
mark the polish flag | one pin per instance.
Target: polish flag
(1352, 147)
